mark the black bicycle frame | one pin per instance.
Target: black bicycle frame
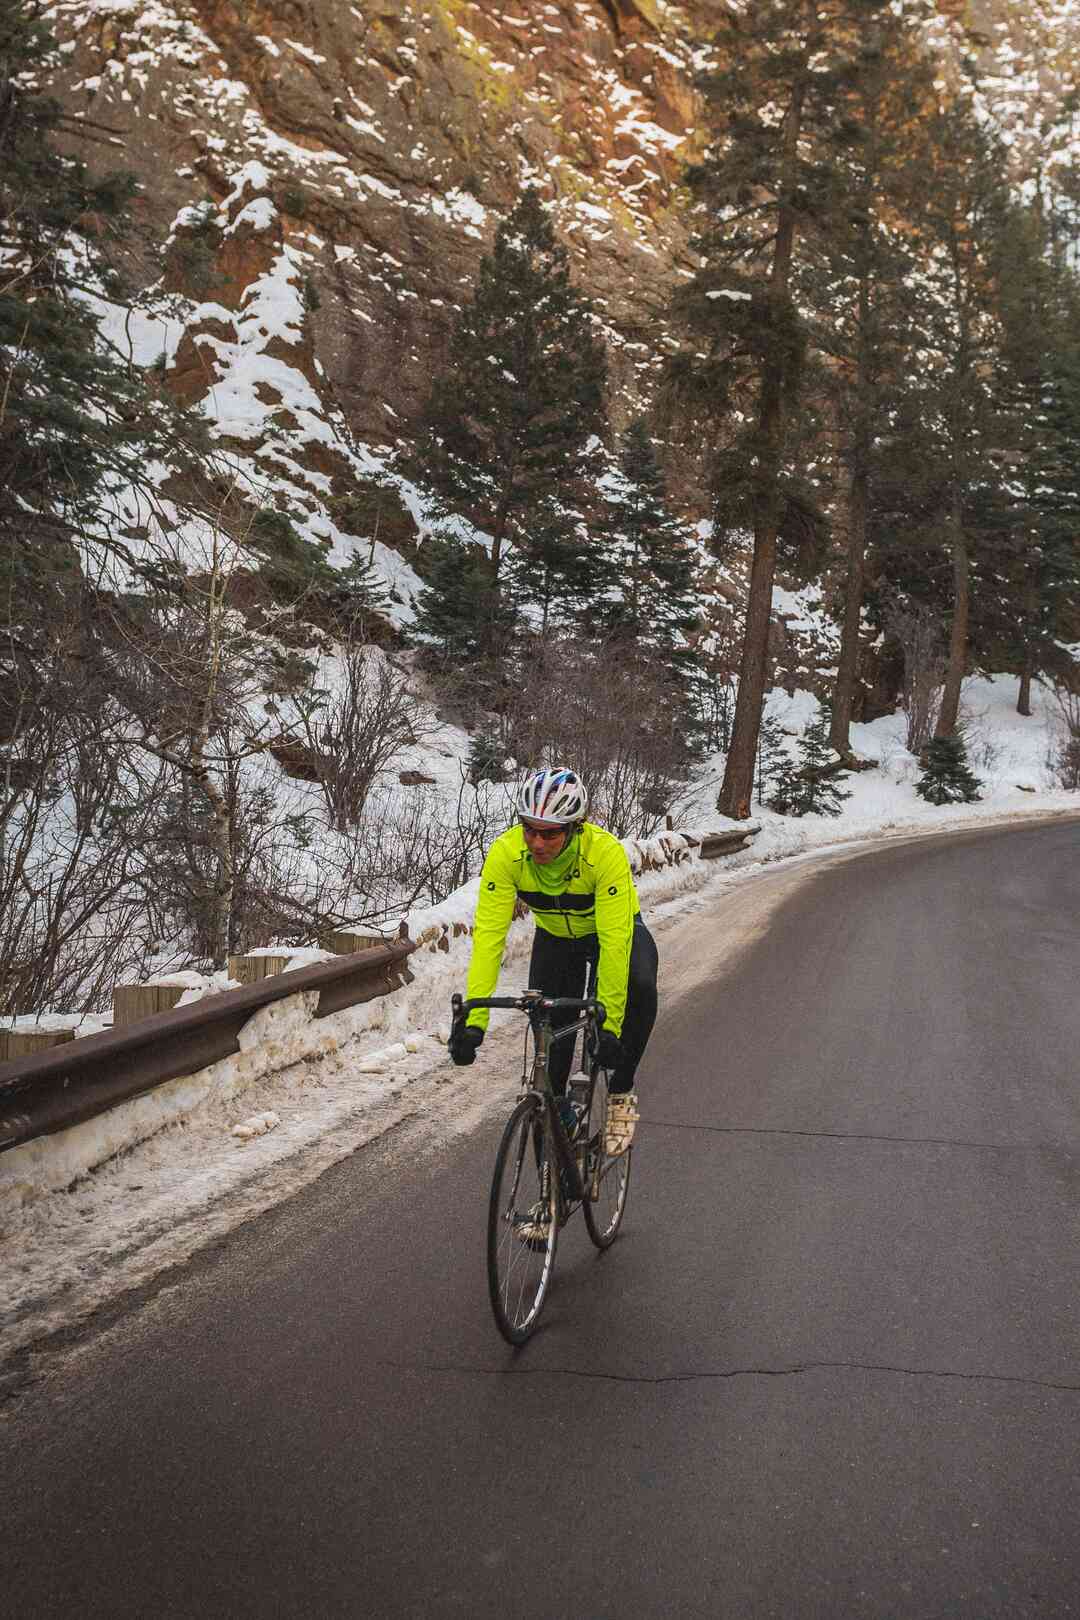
(539, 1009)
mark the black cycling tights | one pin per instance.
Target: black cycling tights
(558, 968)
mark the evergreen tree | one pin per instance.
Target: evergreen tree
(74, 420)
(769, 186)
(810, 787)
(1027, 607)
(821, 793)
(947, 778)
(292, 565)
(773, 759)
(557, 569)
(354, 596)
(459, 619)
(950, 407)
(652, 568)
(487, 759)
(862, 305)
(513, 420)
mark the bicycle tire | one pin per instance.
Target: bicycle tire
(520, 1248)
(607, 1180)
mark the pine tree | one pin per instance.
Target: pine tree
(653, 603)
(487, 759)
(864, 325)
(512, 422)
(809, 786)
(769, 185)
(74, 420)
(1027, 607)
(950, 403)
(354, 596)
(557, 569)
(459, 619)
(947, 778)
(773, 758)
(821, 793)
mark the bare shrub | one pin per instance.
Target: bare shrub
(190, 671)
(919, 634)
(355, 727)
(264, 837)
(601, 709)
(983, 750)
(408, 850)
(411, 852)
(1064, 760)
(713, 681)
(75, 820)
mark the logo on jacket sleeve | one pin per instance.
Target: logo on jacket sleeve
(614, 889)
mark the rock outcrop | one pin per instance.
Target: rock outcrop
(318, 179)
(382, 137)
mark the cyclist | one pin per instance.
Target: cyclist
(575, 878)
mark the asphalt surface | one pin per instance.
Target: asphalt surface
(831, 1367)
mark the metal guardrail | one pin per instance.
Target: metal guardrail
(68, 1084)
(78, 1080)
(726, 843)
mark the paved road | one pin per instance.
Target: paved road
(831, 1369)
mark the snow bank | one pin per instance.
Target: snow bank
(286, 1035)
(378, 1048)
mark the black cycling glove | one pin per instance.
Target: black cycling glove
(464, 1039)
(608, 1049)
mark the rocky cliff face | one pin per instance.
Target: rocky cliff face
(354, 154)
(319, 178)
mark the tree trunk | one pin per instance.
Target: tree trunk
(219, 920)
(738, 781)
(859, 495)
(502, 517)
(1027, 667)
(848, 664)
(1023, 699)
(738, 784)
(221, 901)
(949, 712)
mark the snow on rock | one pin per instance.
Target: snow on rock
(257, 1125)
(59, 1023)
(199, 984)
(296, 956)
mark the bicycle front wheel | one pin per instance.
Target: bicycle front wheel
(523, 1221)
(607, 1180)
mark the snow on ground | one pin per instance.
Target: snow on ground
(1010, 754)
(64, 1254)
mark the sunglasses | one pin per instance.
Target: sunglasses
(546, 833)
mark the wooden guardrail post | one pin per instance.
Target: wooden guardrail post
(17, 1043)
(258, 965)
(343, 941)
(134, 1001)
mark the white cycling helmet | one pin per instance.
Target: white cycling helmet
(554, 796)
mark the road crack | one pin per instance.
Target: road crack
(721, 1374)
(854, 1136)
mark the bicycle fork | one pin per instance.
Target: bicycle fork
(572, 1184)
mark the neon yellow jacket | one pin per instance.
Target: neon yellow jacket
(587, 890)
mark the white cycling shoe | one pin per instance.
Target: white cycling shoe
(622, 1116)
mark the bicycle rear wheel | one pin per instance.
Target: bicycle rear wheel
(523, 1221)
(607, 1180)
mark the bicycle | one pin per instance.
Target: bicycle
(543, 1174)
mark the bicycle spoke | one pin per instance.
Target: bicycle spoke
(608, 1177)
(522, 1230)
